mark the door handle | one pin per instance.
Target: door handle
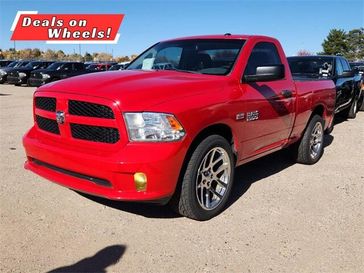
(287, 93)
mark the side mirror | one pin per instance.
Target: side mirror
(266, 73)
(347, 74)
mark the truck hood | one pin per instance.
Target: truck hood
(138, 89)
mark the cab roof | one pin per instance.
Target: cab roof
(227, 36)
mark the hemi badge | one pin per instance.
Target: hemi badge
(240, 116)
(250, 116)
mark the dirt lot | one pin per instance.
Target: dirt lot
(284, 217)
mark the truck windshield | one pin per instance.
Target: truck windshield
(208, 56)
(311, 66)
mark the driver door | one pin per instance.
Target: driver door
(269, 105)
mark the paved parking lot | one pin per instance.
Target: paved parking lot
(283, 217)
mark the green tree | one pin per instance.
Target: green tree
(88, 57)
(50, 55)
(36, 53)
(60, 55)
(122, 59)
(355, 41)
(335, 42)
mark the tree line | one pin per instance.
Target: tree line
(349, 44)
(59, 55)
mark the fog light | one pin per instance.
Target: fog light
(140, 180)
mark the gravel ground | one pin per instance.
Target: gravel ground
(283, 217)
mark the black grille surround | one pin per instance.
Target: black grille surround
(36, 75)
(96, 180)
(95, 133)
(46, 103)
(88, 109)
(48, 125)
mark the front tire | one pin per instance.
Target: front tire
(207, 180)
(310, 148)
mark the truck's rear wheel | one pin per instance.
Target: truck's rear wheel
(310, 149)
(361, 104)
(208, 179)
(352, 110)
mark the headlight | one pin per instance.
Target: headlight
(2, 72)
(22, 75)
(153, 127)
(45, 76)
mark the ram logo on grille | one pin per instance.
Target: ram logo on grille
(60, 117)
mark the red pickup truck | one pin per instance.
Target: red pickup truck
(173, 126)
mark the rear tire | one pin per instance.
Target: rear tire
(310, 148)
(352, 110)
(361, 104)
(207, 180)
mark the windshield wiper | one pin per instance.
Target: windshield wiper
(182, 70)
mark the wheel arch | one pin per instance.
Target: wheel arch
(221, 129)
(320, 110)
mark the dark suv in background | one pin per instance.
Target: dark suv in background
(336, 68)
(56, 71)
(4, 71)
(21, 75)
(4, 63)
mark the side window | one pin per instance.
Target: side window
(167, 58)
(67, 67)
(339, 67)
(78, 66)
(346, 66)
(263, 54)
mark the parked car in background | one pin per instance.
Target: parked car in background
(336, 68)
(99, 67)
(56, 71)
(21, 75)
(4, 63)
(4, 71)
(116, 67)
(119, 66)
(358, 66)
(176, 135)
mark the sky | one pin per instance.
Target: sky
(297, 24)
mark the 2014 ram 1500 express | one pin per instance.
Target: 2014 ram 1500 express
(173, 126)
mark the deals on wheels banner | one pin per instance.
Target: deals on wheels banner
(66, 28)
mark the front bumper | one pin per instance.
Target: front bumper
(3, 78)
(15, 80)
(37, 82)
(161, 162)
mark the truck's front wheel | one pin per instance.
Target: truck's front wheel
(208, 179)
